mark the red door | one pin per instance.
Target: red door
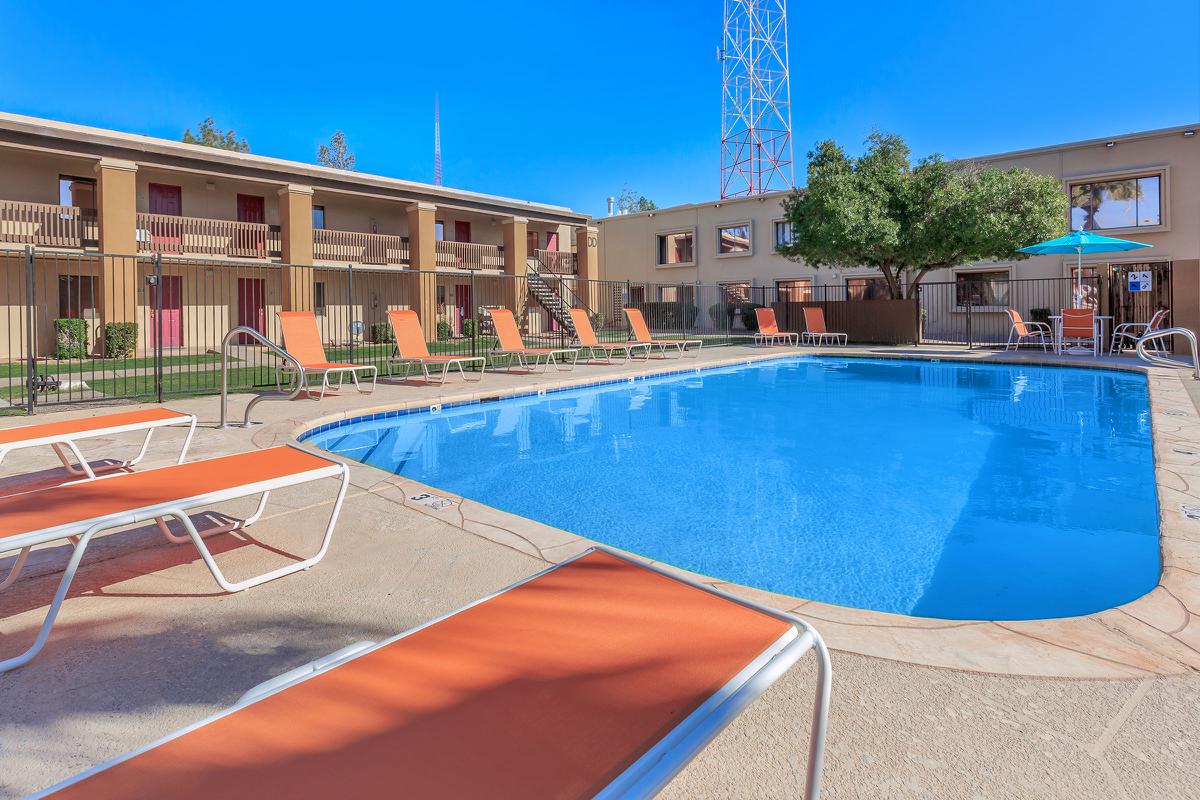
(166, 236)
(171, 287)
(552, 240)
(251, 242)
(462, 304)
(252, 306)
(462, 231)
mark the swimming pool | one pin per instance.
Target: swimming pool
(952, 490)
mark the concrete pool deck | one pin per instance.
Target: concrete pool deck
(147, 643)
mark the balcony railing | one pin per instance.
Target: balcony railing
(48, 225)
(560, 262)
(360, 248)
(468, 255)
(163, 233)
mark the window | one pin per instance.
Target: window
(867, 289)
(677, 294)
(783, 233)
(798, 291)
(733, 239)
(676, 248)
(318, 218)
(77, 296)
(319, 299)
(1125, 203)
(981, 289)
(637, 295)
(734, 293)
(439, 230)
(78, 192)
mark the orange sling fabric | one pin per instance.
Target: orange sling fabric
(550, 690)
(641, 332)
(766, 320)
(410, 339)
(1078, 323)
(1017, 322)
(74, 426)
(583, 328)
(62, 505)
(814, 320)
(302, 340)
(506, 329)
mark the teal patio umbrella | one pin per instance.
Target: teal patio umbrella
(1080, 242)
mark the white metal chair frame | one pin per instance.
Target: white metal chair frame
(790, 338)
(543, 358)
(647, 776)
(1136, 330)
(679, 345)
(818, 339)
(606, 349)
(81, 533)
(324, 373)
(1041, 332)
(70, 441)
(445, 362)
(1080, 341)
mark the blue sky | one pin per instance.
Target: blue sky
(567, 102)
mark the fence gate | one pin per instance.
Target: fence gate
(1139, 306)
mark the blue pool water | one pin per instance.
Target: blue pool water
(935, 489)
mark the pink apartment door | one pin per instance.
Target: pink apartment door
(251, 208)
(171, 288)
(462, 305)
(462, 231)
(166, 236)
(252, 306)
(552, 240)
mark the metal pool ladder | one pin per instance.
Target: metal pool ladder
(274, 348)
(1160, 360)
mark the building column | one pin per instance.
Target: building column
(296, 233)
(516, 254)
(116, 201)
(587, 261)
(422, 256)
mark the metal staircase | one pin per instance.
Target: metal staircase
(553, 294)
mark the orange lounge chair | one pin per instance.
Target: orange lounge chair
(815, 332)
(641, 335)
(1079, 325)
(411, 349)
(68, 433)
(77, 512)
(302, 340)
(597, 677)
(768, 329)
(511, 345)
(1022, 331)
(586, 336)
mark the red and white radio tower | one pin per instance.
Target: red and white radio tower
(756, 108)
(437, 143)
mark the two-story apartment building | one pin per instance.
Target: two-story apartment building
(80, 192)
(1140, 186)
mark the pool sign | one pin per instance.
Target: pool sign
(1140, 281)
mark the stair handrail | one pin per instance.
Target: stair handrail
(575, 300)
(1163, 361)
(274, 348)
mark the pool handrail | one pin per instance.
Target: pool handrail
(297, 369)
(1163, 361)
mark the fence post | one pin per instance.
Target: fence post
(156, 282)
(627, 302)
(350, 306)
(30, 331)
(474, 309)
(970, 340)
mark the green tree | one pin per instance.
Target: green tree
(879, 210)
(630, 202)
(336, 154)
(210, 136)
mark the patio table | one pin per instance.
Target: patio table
(1101, 324)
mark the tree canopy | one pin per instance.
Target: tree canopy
(210, 136)
(630, 202)
(336, 154)
(879, 210)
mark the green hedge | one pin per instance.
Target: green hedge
(470, 328)
(120, 339)
(382, 333)
(749, 318)
(673, 315)
(443, 331)
(70, 338)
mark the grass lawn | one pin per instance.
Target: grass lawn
(77, 366)
(181, 384)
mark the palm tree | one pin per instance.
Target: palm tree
(1090, 196)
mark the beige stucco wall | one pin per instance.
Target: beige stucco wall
(32, 177)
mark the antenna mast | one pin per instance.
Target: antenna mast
(756, 109)
(437, 143)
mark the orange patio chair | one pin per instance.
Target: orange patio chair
(302, 340)
(586, 336)
(79, 511)
(1022, 331)
(815, 332)
(1132, 331)
(1079, 325)
(768, 329)
(510, 345)
(641, 335)
(411, 349)
(597, 677)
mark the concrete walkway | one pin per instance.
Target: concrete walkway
(147, 643)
